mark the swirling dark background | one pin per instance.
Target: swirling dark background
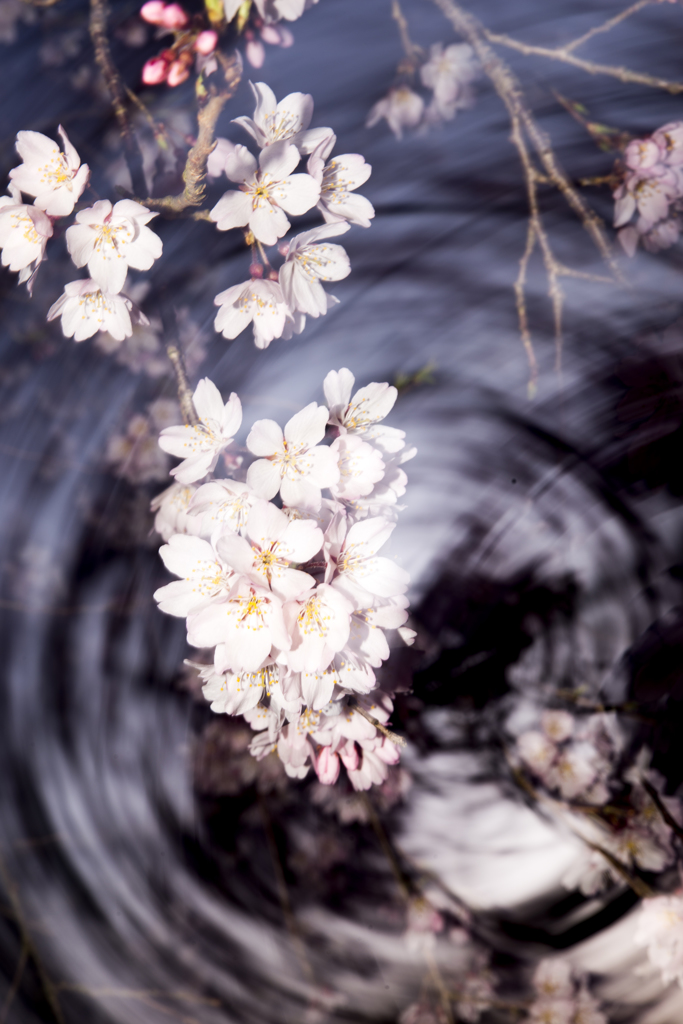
(144, 876)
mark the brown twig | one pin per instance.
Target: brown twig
(562, 54)
(402, 880)
(525, 127)
(194, 173)
(184, 390)
(662, 808)
(100, 41)
(283, 892)
(411, 51)
(606, 25)
(28, 944)
(393, 736)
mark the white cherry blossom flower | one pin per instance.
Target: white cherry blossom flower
(271, 543)
(362, 413)
(360, 572)
(86, 309)
(310, 261)
(219, 156)
(557, 725)
(220, 502)
(553, 979)
(660, 930)
(319, 625)
(109, 239)
(292, 461)
(24, 231)
(268, 191)
(270, 10)
(258, 302)
(203, 575)
(449, 73)
(248, 624)
(401, 107)
(172, 512)
(199, 446)
(56, 179)
(337, 180)
(537, 751)
(234, 693)
(360, 467)
(286, 121)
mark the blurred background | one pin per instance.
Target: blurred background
(150, 870)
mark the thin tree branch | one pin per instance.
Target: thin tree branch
(393, 736)
(184, 390)
(409, 48)
(561, 54)
(27, 942)
(100, 41)
(606, 25)
(662, 808)
(195, 167)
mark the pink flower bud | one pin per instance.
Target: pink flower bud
(206, 42)
(255, 53)
(174, 17)
(178, 73)
(327, 767)
(256, 270)
(273, 275)
(155, 71)
(349, 756)
(283, 248)
(153, 12)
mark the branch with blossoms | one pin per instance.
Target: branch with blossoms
(448, 73)
(293, 601)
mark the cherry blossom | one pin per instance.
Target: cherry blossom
(235, 693)
(362, 413)
(24, 231)
(449, 74)
(286, 121)
(270, 10)
(337, 180)
(360, 467)
(292, 462)
(56, 179)
(248, 624)
(268, 191)
(85, 309)
(401, 107)
(274, 35)
(660, 931)
(172, 511)
(360, 572)
(199, 446)
(270, 545)
(310, 261)
(222, 501)
(320, 625)
(203, 575)
(256, 301)
(109, 239)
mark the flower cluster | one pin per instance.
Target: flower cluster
(192, 42)
(652, 191)
(448, 73)
(560, 998)
(56, 180)
(270, 11)
(278, 302)
(572, 758)
(107, 239)
(660, 931)
(294, 600)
